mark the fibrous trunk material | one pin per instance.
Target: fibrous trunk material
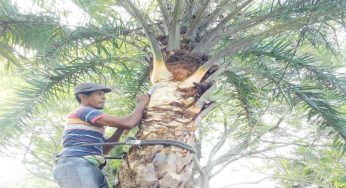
(170, 115)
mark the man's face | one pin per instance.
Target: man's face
(97, 99)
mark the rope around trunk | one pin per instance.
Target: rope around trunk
(134, 142)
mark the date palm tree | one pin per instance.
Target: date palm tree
(188, 48)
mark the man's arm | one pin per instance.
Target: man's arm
(123, 123)
(129, 121)
(114, 138)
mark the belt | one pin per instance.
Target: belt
(97, 160)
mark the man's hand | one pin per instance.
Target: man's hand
(153, 88)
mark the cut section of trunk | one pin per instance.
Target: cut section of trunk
(160, 72)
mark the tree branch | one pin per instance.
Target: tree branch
(174, 31)
(229, 17)
(165, 15)
(213, 15)
(203, 98)
(131, 9)
(196, 20)
(205, 112)
(275, 30)
(160, 71)
(236, 151)
(212, 38)
(270, 177)
(227, 131)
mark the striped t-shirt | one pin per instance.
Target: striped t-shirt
(80, 129)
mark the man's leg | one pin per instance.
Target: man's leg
(103, 181)
(77, 172)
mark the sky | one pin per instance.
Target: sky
(12, 170)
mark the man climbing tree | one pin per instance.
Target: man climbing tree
(80, 166)
(256, 48)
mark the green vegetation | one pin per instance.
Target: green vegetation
(279, 94)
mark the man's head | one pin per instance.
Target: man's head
(91, 94)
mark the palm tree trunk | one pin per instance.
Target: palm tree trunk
(170, 115)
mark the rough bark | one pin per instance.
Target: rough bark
(170, 115)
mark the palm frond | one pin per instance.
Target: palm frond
(247, 93)
(253, 25)
(101, 12)
(48, 83)
(319, 107)
(83, 37)
(47, 38)
(324, 104)
(283, 51)
(30, 31)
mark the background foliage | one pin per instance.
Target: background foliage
(268, 100)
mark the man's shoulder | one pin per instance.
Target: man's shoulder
(83, 110)
(86, 109)
(84, 115)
